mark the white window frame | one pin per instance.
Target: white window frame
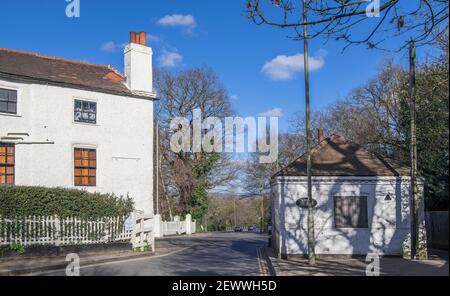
(85, 100)
(18, 105)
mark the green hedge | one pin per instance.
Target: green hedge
(41, 201)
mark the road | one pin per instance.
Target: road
(216, 254)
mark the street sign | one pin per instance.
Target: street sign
(130, 224)
(304, 203)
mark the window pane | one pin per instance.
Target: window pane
(10, 180)
(12, 108)
(8, 101)
(3, 106)
(3, 94)
(92, 154)
(85, 111)
(78, 116)
(351, 212)
(7, 164)
(13, 96)
(77, 153)
(85, 171)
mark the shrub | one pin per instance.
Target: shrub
(41, 201)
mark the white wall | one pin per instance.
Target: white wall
(389, 223)
(123, 137)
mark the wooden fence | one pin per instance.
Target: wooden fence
(437, 229)
(33, 230)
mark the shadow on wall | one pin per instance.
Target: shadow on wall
(388, 220)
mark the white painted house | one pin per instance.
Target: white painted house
(363, 202)
(73, 124)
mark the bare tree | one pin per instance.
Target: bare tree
(343, 19)
(182, 173)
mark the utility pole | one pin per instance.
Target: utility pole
(157, 168)
(413, 147)
(310, 226)
(235, 215)
(262, 214)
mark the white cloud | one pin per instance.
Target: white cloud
(275, 112)
(178, 20)
(169, 59)
(285, 67)
(153, 38)
(111, 46)
(234, 97)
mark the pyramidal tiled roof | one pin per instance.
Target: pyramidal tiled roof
(337, 156)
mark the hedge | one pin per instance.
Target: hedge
(19, 201)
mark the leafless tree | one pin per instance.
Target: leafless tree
(180, 94)
(416, 20)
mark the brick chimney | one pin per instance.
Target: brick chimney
(138, 63)
(320, 135)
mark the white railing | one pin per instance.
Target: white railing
(34, 230)
(171, 227)
(176, 227)
(143, 237)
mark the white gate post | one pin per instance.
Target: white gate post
(157, 226)
(188, 224)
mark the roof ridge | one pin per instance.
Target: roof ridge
(55, 58)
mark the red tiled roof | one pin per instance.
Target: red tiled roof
(337, 156)
(47, 69)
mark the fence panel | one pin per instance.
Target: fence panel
(437, 229)
(176, 227)
(34, 230)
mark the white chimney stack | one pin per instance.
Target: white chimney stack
(138, 64)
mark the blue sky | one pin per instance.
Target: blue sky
(215, 34)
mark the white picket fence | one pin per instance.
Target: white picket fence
(28, 231)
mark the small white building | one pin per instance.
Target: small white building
(363, 202)
(73, 124)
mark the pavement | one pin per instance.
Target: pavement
(37, 265)
(437, 265)
(213, 254)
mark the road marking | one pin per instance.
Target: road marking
(111, 263)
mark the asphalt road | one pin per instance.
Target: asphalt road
(217, 254)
